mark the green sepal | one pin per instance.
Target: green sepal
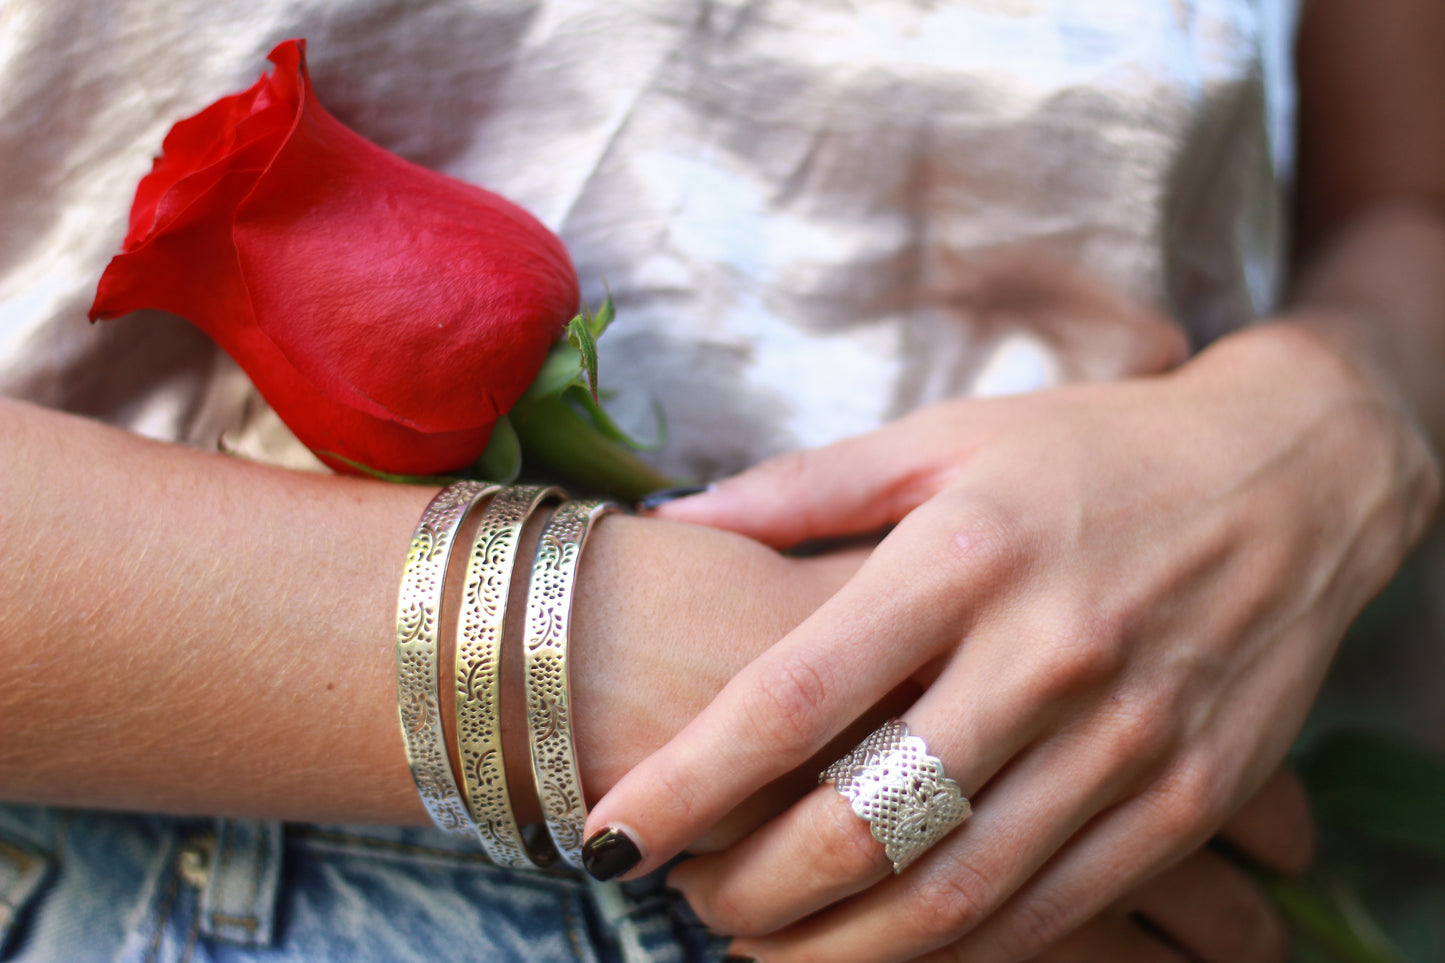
(562, 369)
(580, 335)
(574, 360)
(502, 461)
(602, 320)
(386, 476)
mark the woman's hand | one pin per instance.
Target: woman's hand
(1122, 597)
(672, 613)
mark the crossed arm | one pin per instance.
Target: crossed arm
(190, 633)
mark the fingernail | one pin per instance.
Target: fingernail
(741, 959)
(609, 853)
(655, 500)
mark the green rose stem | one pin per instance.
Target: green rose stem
(1319, 916)
(556, 433)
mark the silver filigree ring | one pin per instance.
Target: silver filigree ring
(895, 785)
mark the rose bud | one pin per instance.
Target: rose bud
(389, 314)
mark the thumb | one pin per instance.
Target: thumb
(852, 487)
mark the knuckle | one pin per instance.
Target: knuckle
(1190, 802)
(679, 788)
(986, 542)
(1034, 924)
(844, 843)
(793, 696)
(1101, 638)
(1085, 651)
(722, 913)
(1139, 732)
(788, 468)
(947, 903)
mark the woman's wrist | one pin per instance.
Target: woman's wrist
(1296, 382)
(1310, 364)
(667, 614)
(1375, 296)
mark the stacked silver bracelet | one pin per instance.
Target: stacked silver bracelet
(477, 670)
(483, 803)
(418, 630)
(549, 702)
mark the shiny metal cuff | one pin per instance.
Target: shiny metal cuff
(418, 617)
(477, 670)
(893, 782)
(549, 706)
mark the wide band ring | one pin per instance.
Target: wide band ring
(899, 789)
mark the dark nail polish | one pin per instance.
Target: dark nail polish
(609, 853)
(741, 959)
(655, 500)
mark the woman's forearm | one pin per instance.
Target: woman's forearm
(186, 632)
(1370, 197)
(1376, 294)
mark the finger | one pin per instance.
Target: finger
(820, 851)
(1021, 819)
(778, 796)
(1275, 828)
(1214, 911)
(793, 699)
(1125, 846)
(1109, 938)
(851, 487)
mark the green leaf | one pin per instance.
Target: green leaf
(502, 461)
(580, 336)
(1381, 787)
(609, 428)
(386, 476)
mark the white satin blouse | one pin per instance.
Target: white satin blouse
(814, 215)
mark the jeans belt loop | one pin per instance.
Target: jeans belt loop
(238, 902)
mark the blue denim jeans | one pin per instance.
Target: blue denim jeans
(77, 887)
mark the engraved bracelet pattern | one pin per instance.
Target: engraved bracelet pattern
(893, 782)
(549, 707)
(418, 616)
(477, 670)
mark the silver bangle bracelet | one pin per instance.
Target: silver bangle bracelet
(418, 618)
(477, 670)
(549, 705)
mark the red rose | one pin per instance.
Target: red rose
(388, 313)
